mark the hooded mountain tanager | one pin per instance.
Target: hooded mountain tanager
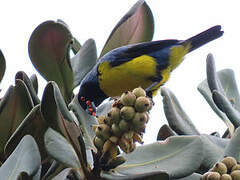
(147, 64)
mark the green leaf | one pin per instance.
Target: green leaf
(23, 76)
(177, 118)
(84, 61)
(164, 132)
(111, 175)
(225, 105)
(224, 82)
(135, 27)
(212, 77)
(34, 82)
(233, 148)
(25, 158)
(86, 122)
(2, 65)
(54, 109)
(178, 156)
(59, 148)
(220, 142)
(34, 125)
(48, 48)
(14, 107)
(58, 117)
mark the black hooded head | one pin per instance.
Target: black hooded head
(90, 90)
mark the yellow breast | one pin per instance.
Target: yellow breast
(127, 76)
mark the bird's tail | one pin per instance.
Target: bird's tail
(203, 38)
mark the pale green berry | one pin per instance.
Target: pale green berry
(229, 162)
(114, 114)
(98, 142)
(103, 131)
(142, 104)
(127, 112)
(220, 168)
(140, 119)
(128, 98)
(139, 92)
(123, 125)
(214, 176)
(116, 130)
(235, 175)
(226, 177)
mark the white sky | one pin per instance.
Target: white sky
(96, 19)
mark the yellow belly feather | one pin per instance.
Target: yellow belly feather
(127, 76)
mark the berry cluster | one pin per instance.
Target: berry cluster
(125, 123)
(227, 169)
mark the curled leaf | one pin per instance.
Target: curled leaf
(34, 81)
(225, 105)
(177, 118)
(14, 107)
(135, 27)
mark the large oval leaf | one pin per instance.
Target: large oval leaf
(135, 27)
(59, 148)
(25, 158)
(54, 109)
(14, 107)
(48, 49)
(179, 156)
(178, 120)
(58, 117)
(2, 65)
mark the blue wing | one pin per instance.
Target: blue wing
(157, 49)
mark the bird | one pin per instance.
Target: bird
(147, 65)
